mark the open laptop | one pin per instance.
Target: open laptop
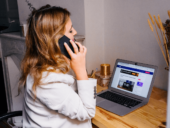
(130, 87)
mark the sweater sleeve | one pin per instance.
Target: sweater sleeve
(63, 99)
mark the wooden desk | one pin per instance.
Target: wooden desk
(149, 116)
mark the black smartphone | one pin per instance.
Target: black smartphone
(61, 42)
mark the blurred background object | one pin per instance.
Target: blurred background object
(9, 18)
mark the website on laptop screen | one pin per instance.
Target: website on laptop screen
(133, 78)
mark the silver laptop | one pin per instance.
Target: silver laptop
(130, 87)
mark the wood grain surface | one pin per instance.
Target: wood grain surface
(152, 115)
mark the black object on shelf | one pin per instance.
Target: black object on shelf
(13, 27)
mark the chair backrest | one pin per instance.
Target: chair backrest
(17, 101)
(12, 49)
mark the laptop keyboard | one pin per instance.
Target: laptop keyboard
(125, 101)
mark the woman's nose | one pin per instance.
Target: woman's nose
(75, 32)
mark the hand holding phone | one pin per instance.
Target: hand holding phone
(78, 59)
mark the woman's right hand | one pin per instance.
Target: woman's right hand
(78, 60)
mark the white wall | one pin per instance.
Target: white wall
(115, 29)
(128, 36)
(94, 33)
(76, 7)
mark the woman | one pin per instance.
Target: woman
(50, 98)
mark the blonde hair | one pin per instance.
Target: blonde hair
(45, 27)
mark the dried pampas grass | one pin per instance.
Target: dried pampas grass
(160, 26)
(169, 13)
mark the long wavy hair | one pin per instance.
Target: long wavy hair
(45, 27)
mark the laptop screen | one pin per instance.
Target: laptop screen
(133, 78)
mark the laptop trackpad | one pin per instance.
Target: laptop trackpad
(107, 104)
